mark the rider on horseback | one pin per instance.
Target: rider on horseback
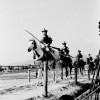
(65, 58)
(90, 63)
(90, 58)
(46, 40)
(79, 56)
(65, 49)
(79, 62)
(96, 60)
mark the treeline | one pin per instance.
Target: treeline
(21, 67)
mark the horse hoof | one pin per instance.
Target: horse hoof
(56, 81)
(71, 77)
(37, 84)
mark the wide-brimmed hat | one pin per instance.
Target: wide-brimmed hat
(45, 30)
(79, 50)
(31, 39)
(97, 55)
(64, 43)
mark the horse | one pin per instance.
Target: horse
(43, 55)
(66, 62)
(91, 65)
(80, 64)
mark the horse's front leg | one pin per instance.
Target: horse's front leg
(53, 73)
(62, 72)
(61, 67)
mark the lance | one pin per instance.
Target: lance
(39, 40)
(33, 35)
(43, 44)
(83, 54)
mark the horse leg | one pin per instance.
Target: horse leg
(36, 74)
(61, 66)
(56, 71)
(82, 70)
(54, 75)
(39, 72)
(62, 73)
(66, 71)
(53, 71)
(70, 71)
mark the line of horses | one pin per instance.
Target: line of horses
(56, 60)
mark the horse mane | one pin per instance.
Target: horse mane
(35, 44)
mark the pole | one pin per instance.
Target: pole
(29, 75)
(61, 70)
(75, 66)
(33, 35)
(45, 78)
(89, 72)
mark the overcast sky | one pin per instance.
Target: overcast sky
(73, 21)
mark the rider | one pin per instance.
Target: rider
(96, 60)
(79, 61)
(90, 58)
(65, 49)
(90, 62)
(46, 40)
(65, 57)
(79, 56)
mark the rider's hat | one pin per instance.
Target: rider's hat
(64, 43)
(45, 30)
(31, 39)
(97, 55)
(79, 50)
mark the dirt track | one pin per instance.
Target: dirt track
(56, 90)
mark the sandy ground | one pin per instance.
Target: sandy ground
(21, 89)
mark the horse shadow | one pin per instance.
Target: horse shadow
(66, 97)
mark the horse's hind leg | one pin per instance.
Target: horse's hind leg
(38, 76)
(61, 66)
(66, 71)
(70, 72)
(56, 74)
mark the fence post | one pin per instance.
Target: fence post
(29, 75)
(89, 73)
(45, 78)
(75, 74)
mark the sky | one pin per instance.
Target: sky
(73, 21)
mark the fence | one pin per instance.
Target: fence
(93, 95)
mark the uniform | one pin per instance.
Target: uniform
(46, 40)
(65, 49)
(96, 61)
(90, 63)
(79, 56)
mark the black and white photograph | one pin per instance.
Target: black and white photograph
(49, 49)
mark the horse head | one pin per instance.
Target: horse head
(32, 45)
(36, 49)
